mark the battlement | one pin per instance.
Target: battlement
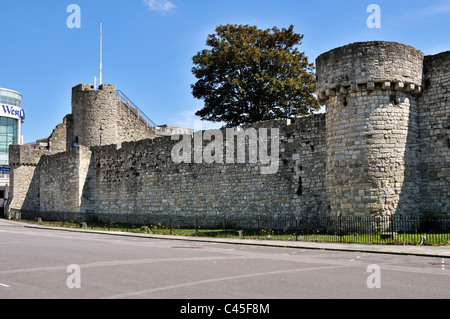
(369, 66)
(86, 87)
(28, 155)
(439, 61)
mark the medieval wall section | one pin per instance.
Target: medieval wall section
(25, 176)
(62, 180)
(434, 123)
(382, 148)
(142, 177)
(130, 126)
(62, 136)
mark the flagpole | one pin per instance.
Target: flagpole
(101, 51)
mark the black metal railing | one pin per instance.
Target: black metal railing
(425, 230)
(135, 110)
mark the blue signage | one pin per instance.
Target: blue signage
(14, 111)
(5, 169)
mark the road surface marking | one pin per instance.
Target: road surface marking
(215, 280)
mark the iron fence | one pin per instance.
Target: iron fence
(425, 230)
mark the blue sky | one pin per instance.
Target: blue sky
(148, 45)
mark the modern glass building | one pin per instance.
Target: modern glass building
(11, 118)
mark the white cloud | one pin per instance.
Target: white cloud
(186, 118)
(427, 12)
(161, 6)
(435, 10)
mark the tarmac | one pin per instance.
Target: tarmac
(417, 250)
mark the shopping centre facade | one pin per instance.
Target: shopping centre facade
(12, 117)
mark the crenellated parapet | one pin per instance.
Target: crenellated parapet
(369, 66)
(28, 155)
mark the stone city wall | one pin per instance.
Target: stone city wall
(62, 180)
(381, 148)
(434, 124)
(141, 177)
(25, 176)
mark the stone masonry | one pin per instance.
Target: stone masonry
(381, 148)
(387, 127)
(371, 92)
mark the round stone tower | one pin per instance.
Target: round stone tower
(94, 115)
(370, 90)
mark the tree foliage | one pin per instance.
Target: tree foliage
(250, 75)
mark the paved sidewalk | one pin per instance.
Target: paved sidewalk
(431, 251)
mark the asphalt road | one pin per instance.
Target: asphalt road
(51, 264)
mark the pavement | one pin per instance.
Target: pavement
(428, 251)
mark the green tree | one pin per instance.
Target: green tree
(250, 75)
